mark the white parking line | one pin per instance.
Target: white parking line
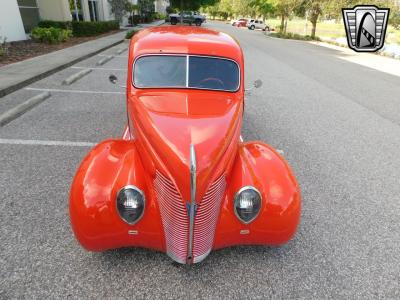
(73, 91)
(106, 69)
(121, 56)
(45, 143)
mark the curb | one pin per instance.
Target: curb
(75, 77)
(121, 50)
(104, 60)
(19, 85)
(19, 110)
(379, 53)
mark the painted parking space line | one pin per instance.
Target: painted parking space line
(119, 56)
(45, 143)
(73, 91)
(104, 69)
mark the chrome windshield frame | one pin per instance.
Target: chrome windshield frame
(187, 87)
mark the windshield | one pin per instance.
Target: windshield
(198, 72)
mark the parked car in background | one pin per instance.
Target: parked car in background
(257, 24)
(240, 23)
(188, 17)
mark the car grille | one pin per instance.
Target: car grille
(175, 218)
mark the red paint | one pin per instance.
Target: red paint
(162, 125)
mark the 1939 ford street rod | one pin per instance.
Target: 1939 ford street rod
(181, 180)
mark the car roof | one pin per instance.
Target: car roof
(185, 40)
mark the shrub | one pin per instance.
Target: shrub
(3, 46)
(51, 35)
(130, 34)
(294, 36)
(93, 28)
(158, 16)
(55, 24)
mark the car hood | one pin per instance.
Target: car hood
(169, 122)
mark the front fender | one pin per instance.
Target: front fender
(259, 165)
(107, 168)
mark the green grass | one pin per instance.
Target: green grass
(328, 29)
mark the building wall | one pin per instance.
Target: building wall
(11, 25)
(57, 10)
(161, 6)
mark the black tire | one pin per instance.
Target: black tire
(174, 21)
(252, 27)
(197, 22)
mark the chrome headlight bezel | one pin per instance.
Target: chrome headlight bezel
(122, 190)
(236, 199)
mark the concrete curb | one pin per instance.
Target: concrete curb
(104, 60)
(19, 85)
(121, 50)
(19, 110)
(71, 79)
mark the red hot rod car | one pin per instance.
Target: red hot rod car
(181, 180)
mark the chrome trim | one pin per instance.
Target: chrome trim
(200, 258)
(187, 73)
(176, 258)
(144, 202)
(247, 187)
(192, 202)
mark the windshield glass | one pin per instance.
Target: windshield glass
(202, 72)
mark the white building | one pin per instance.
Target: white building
(160, 6)
(20, 16)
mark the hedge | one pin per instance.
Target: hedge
(82, 28)
(93, 28)
(129, 34)
(51, 35)
(55, 24)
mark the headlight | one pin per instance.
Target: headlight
(130, 204)
(247, 204)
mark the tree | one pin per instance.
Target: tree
(119, 8)
(314, 8)
(263, 7)
(191, 4)
(284, 8)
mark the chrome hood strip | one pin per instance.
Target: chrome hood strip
(192, 208)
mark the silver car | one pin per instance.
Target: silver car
(257, 24)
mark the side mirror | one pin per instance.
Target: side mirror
(113, 79)
(258, 83)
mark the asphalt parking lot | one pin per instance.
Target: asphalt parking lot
(337, 123)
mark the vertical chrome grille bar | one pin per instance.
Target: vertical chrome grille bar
(192, 209)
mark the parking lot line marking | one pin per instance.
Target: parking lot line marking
(120, 56)
(106, 69)
(73, 91)
(45, 143)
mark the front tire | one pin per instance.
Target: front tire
(252, 27)
(197, 22)
(174, 21)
